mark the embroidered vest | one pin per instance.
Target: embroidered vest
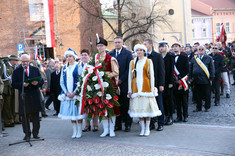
(146, 78)
(107, 68)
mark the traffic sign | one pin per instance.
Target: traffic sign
(20, 47)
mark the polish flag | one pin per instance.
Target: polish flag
(49, 22)
(222, 37)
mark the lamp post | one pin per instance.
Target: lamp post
(91, 42)
(61, 45)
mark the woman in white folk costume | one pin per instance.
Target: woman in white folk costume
(112, 69)
(141, 90)
(68, 83)
(85, 57)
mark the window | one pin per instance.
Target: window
(204, 21)
(217, 27)
(193, 33)
(204, 32)
(227, 27)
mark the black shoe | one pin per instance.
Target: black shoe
(217, 103)
(152, 126)
(95, 129)
(160, 128)
(55, 114)
(169, 121)
(185, 119)
(26, 138)
(206, 110)
(178, 120)
(197, 110)
(127, 129)
(44, 115)
(36, 137)
(227, 96)
(118, 128)
(86, 129)
(47, 107)
(9, 125)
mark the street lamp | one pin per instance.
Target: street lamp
(61, 45)
(91, 42)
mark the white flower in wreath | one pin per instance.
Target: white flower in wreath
(89, 88)
(90, 70)
(78, 84)
(101, 74)
(105, 84)
(88, 96)
(82, 74)
(99, 94)
(97, 86)
(108, 96)
(94, 78)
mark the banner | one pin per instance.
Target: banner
(49, 22)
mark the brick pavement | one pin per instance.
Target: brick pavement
(207, 134)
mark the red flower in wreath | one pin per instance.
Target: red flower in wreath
(115, 98)
(100, 105)
(93, 115)
(96, 99)
(100, 113)
(89, 101)
(94, 108)
(85, 103)
(106, 101)
(104, 111)
(110, 105)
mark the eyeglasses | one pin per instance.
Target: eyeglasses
(200, 49)
(214, 48)
(25, 61)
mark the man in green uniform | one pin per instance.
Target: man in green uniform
(8, 111)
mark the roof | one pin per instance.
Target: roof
(207, 6)
(197, 13)
(220, 4)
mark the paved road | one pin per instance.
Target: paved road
(206, 134)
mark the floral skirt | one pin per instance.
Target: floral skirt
(70, 111)
(143, 107)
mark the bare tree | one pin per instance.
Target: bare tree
(133, 18)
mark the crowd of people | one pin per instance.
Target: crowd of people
(151, 85)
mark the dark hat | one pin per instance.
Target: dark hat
(13, 57)
(162, 43)
(187, 45)
(100, 40)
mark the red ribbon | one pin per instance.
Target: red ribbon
(97, 66)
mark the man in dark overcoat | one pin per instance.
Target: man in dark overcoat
(31, 100)
(123, 57)
(159, 77)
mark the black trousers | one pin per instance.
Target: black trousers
(216, 87)
(181, 101)
(56, 103)
(160, 119)
(34, 117)
(168, 101)
(201, 91)
(124, 116)
(49, 99)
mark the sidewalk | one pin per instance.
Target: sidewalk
(175, 140)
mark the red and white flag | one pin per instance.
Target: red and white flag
(222, 36)
(49, 22)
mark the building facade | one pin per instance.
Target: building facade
(74, 28)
